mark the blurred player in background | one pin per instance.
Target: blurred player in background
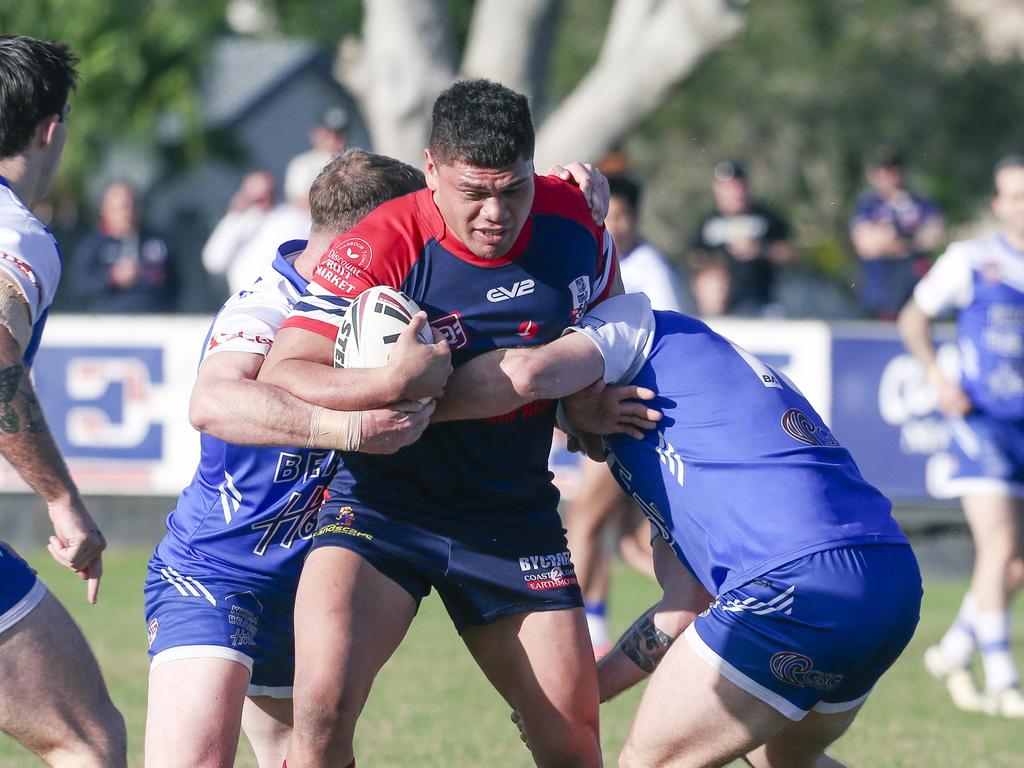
(52, 696)
(983, 280)
(600, 506)
(497, 256)
(817, 589)
(220, 590)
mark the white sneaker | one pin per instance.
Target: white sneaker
(1008, 702)
(958, 680)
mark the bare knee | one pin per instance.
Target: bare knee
(100, 744)
(572, 746)
(325, 721)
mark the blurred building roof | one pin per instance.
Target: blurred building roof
(243, 71)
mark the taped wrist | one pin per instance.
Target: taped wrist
(338, 430)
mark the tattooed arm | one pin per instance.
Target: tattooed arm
(645, 644)
(28, 445)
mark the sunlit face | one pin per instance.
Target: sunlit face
(1008, 204)
(53, 153)
(485, 208)
(621, 224)
(886, 179)
(117, 209)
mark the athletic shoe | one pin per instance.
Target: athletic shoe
(958, 680)
(1006, 703)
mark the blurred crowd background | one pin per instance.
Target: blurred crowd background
(799, 159)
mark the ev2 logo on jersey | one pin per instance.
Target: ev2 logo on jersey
(519, 288)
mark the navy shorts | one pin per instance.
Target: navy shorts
(816, 633)
(20, 590)
(986, 456)
(199, 613)
(481, 575)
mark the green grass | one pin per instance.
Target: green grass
(432, 707)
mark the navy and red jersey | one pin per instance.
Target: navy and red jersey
(561, 264)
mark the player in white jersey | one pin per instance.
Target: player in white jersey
(600, 507)
(52, 696)
(220, 588)
(983, 280)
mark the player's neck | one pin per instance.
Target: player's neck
(1015, 239)
(21, 178)
(316, 247)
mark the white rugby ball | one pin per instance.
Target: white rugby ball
(372, 325)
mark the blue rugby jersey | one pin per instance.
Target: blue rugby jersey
(984, 279)
(741, 475)
(487, 471)
(249, 510)
(30, 256)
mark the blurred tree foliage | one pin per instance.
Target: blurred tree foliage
(804, 94)
(141, 60)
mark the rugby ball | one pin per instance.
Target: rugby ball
(372, 325)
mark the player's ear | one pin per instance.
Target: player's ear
(431, 171)
(46, 130)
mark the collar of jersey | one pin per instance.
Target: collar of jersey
(4, 182)
(287, 268)
(458, 249)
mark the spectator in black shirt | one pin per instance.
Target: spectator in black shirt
(749, 238)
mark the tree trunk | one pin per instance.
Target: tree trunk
(404, 61)
(511, 42)
(650, 46)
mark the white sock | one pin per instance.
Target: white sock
(992, 630)
(959, 642)
(598, 626)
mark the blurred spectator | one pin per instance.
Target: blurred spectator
(122, 267)
(247, 211)
(748, 237)
(644, 268)
(892, 231)
(711, 287)
(329, 137)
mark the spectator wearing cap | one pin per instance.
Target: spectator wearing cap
(123, 267)
(748, 238)
(329, 137)
(892, 232)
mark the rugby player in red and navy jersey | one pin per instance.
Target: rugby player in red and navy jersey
(496, 257)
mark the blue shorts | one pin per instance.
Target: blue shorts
(480, 575)
(202, 614)
(816, 633)
(20, 590)
(987, 456)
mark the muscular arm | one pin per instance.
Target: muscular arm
(28, 445)
(642, 647)
(501, 381)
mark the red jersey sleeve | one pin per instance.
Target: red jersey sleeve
(379, 250)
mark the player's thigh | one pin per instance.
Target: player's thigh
(267, 723)
(52, 696)
(194, 712)
(542, 663)
(690, 715)
(363, 613)
(802, 744)
(599, 500)
(993, 519)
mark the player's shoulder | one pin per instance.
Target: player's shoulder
(555, 197)
(21, 232)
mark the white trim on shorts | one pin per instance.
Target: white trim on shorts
(270, 691)
(23, 607)
(835, 707)
(200, 652)
(965, 486)
(738, 678)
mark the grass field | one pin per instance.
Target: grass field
(432, 707)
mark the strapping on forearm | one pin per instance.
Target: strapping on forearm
(338, 430)
(14, 312)
(644, 643)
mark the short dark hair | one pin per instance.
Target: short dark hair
(35, 80)
(353, 184)
(625, 188)
(1009, 161)
(888, 157)
(481, 123)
